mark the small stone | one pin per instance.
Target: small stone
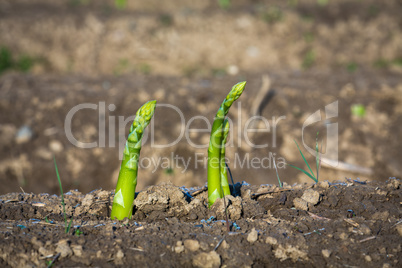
(324, 184)
(45, 252)
(300, 204)
(192, 245)
(367, 258)
(103, 194)
(119, 254)
(99, 254)
(64, 249)
(204, 246)
(326, 253)
(232, 70)
(252, 236)
(383, 250)
(77, 249)
(393, 183)
(343, 236)
(386, 265)
(365, 229)
(271, 240)
(311, 196)
(179, 248)
(44, 153)
(23, 135)
(225, 245)
(88, 200)
(399, 229)
(56, 146)
(207, 260)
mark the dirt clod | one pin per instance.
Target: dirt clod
(207, 260)
(252, 236)
(191, 244)
(310, 196)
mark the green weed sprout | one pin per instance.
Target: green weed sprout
(125, 189)
(317, 161)
(218, 185)
(67, 225)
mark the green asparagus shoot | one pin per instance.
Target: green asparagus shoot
(222, 164)
(127, 181)
(216, 176)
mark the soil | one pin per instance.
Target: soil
(335, 224)
(303, 55)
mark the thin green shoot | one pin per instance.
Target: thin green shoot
(317, 160)
(67, 225)
(277, 175)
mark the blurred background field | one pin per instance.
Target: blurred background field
(55, 55)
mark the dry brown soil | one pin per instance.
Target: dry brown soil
(349, 223)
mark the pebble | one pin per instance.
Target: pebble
(24, 134)
(326, 253)
(232, 70)
(324, 184)
(343, 236)
(179, 248)
(365, 229)
(225, 245)
(367, 258)
(192, 245)
(45, 252)
(77, 249)
(56, 146)
(64, 249)
(88, 200)
(393, 183)
(300, 204)
(271, 240)
(311, 196)
(207, 260)
(120, 254)
(252, 236)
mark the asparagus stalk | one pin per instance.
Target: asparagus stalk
(125, 189)
(224, 174)
(214, 152)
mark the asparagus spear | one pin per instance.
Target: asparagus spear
(214, 152)
(125, 189)
(222, 163)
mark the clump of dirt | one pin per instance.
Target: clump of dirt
(344, 223)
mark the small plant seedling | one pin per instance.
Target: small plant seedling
(358, 110)
(120, 4)
(309, 59)
(277, 174)
(78, 232)
(317, 160)
(127, 181)
(218, 185)
(67, 225)
(224, 4)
